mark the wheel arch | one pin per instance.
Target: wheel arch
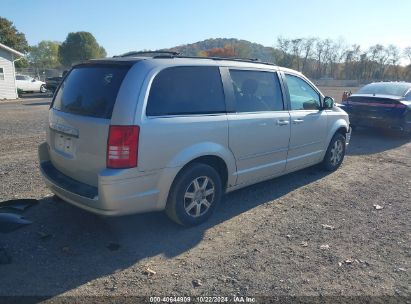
(216, 162)
(213, 161)
(339, 126)
(210, 153)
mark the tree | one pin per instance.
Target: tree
(296, 47)
(407, 52)
(243, 50)
(45, 54)
(285, 58)
(80, 46)
(11, 37)
(319, 53)
(226, 52)
(378, 57)
(394, 56)
(308, 44)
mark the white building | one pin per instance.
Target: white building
(8, 88)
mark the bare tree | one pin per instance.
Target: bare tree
(284, 45)
(296, 47)
(352, 56)
(378, 58)
(394, 56)
(319, 54)
(326, 57)
(307, 51)
(407, 52)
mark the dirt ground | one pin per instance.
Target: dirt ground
(264, 240)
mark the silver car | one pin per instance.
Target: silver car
(137, 134)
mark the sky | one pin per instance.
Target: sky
(125, 25)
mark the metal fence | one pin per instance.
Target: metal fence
(40, 74)
(337, 83)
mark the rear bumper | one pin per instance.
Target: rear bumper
(393, 124)
(113, 195)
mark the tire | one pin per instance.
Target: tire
(189, 203)
(335, 153)
(43, 89)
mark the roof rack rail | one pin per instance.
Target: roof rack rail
(220, 58)
(254, 60)
(236, 59)
(171, 54)
(134, 53)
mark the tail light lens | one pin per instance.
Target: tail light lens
(122, 147)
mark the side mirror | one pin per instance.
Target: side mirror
(328, 103)
(33, 80)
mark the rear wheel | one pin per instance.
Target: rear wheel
(194, 195)
(335, 153)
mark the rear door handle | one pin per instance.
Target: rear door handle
(298, 121)
(282, 122)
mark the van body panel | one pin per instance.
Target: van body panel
(255, 146)
(80, 156)
(174, 141)
(260, 143)
(308, 138)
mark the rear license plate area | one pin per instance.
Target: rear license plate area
(64, 144)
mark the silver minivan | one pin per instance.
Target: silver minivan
(136, 134)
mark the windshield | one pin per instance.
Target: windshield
(395, 89)
(90, 90)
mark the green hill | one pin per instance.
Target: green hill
(242, 48)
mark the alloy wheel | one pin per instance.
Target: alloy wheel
(199, 196)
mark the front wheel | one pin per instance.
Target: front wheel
(194, 195)
(335, 153)
(43, 89)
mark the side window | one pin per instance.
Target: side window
(408, 96)
(1, 74)
(256, 91)
(186, 90)
(19, 77)
(302, 95)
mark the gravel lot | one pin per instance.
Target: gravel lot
(265, 240)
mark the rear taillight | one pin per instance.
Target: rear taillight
(122, 147)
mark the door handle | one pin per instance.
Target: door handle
(298, 121)
(282, 122)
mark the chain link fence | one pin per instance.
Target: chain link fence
(40, 74)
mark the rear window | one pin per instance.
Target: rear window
(186, 90)
(394, 89)
(90, 90)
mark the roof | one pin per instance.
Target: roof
(184, 60)
(9, 49)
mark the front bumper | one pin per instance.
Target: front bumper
(113, 195)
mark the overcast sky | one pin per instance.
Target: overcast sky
(121, 26)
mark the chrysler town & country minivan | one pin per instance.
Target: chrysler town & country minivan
(136, 134)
